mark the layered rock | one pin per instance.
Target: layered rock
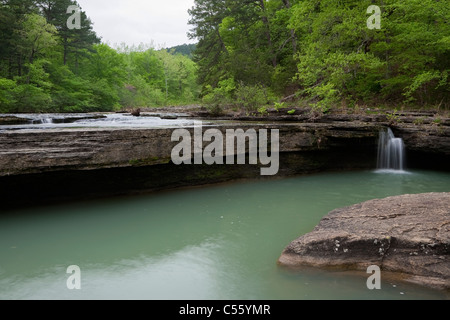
(408, 235)
(38, 151)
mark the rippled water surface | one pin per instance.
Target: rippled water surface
(219, 242)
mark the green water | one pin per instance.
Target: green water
(219, 242)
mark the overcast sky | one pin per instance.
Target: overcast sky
(163, 22)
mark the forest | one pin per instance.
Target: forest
(47, 67)
(323, 53)
(249, 53)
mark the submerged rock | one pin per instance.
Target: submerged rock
(408, 235)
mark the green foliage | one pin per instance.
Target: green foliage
(157, 78)
(184, 49)
(324, 51)
(437, 120)
(405, 58)
(6, 95)
(251, 98)
(263, 111)
(46, 67)
(30, 98)
(279, 105)
(145, 94)
(244, 40)
(216, 98)
(393, 117)
(423, 81)
(35, 36)
(248, 99)
(321, 50)
(419, 121)
(70, 93)
(325, 96)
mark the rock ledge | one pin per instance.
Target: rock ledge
(408, 235)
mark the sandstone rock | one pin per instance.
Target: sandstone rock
(408, 235)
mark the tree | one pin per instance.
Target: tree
(244, 40)
(12, 15)
(105, 69)
(36, 36)
(184, 49)
(74, 42)
(340, 58)
(211, 53)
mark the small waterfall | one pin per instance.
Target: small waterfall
(46, 120)
(391, 151)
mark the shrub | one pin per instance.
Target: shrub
(29, 98)
(6, 96)
(250, 98)
(217, 98)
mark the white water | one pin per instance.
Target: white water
(110, 120)
(46, 120)
(391, 152)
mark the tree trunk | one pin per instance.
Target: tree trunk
(265, 21)
(19, 65)
(287, 4)
(65, 50)
(222, 44)
(10, 76)
(167, 82)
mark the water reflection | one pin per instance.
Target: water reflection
(192, 272)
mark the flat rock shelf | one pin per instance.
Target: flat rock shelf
(406, 235)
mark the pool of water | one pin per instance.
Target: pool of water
(216, 242)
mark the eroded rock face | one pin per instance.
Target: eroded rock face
(39, 151)
(408, 235)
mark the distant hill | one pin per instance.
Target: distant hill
(184, 49)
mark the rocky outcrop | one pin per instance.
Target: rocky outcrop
(105, 161)
(432, 139)
(53, 165)
(38, 151)
(408, 235)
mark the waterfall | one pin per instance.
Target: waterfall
(46, 120)
(391, 151)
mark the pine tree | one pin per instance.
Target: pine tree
(74, 41)
(211, 51)
(12, 15)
